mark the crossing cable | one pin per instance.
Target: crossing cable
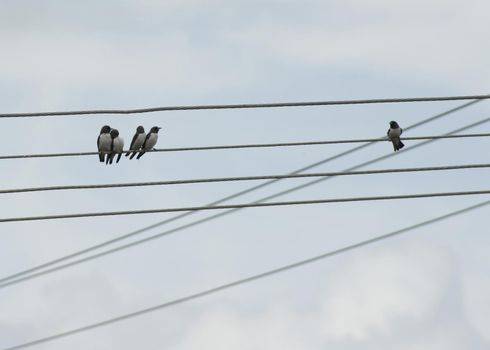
(249, 279)
(31, 273)
(242, 106)
(245, 178)
(242, 206)
(245, 146)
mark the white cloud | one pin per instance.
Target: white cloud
(477, 302)
(384, 296)
(376, 289)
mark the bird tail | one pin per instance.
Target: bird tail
(397, 144)
(128, 153)
(140, 154)
(132, 155)
(101, 157)
(118, 157)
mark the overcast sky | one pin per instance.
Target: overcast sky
(427, 289)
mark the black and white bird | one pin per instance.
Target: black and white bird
(117, 146)
(138, 140)
(394, 133)
(104, 142)
(150, 141)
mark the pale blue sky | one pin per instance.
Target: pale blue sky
(426, 290)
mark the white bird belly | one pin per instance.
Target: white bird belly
(152, 141)
(139, 141)
(394, 132)
(118, 144)
(105, 143)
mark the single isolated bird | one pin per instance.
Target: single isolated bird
(394, 133)
(138, 140)
(117, 146)
(104, 142)
(150, 141)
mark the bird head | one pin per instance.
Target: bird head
(155, 129)
(114, 133)
(105, 129)
(394, 125)
(140, 129)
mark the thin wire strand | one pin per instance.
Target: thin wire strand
(30, 272)
(245, 146)
(241, 106)
(246, 280)
(244, 178)
(243, 205)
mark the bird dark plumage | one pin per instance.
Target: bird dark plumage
(137, 142)
(150, 141)
(117, 145)
(394, 133)
(104, 142)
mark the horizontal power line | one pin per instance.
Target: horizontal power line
(247, 205)
(246, 280)
(246, 105)
(245, 178)
(257, 145)
(31, 273)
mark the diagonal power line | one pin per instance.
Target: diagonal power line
(222, 200)
(242, 106)
(246, 280)
(31, 272)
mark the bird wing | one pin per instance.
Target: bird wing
(146, 139)
(135, 137)
(98, 142)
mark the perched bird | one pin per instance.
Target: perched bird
(138, 140)
(117, 146)
(104, 142)
(394, 133)
(150, 141)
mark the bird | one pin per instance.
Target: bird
(104, 142)
(150, 141)
(394, 133)
(138, 140)
(117, 146)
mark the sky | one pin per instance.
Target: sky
(427, 289)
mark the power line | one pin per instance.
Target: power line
(242, 206)
(242, 146)
(246, 280)
(29, 271)
(241, 106)
(244, 178)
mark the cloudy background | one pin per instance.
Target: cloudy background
(425, 290)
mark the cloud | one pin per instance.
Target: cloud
(375, 290)
(386, 296)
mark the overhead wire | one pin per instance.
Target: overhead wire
(31, 273)
(215, 216)
(242, 206)
(246, 280)
(245, 105)
(244, 178)
(246, 146)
